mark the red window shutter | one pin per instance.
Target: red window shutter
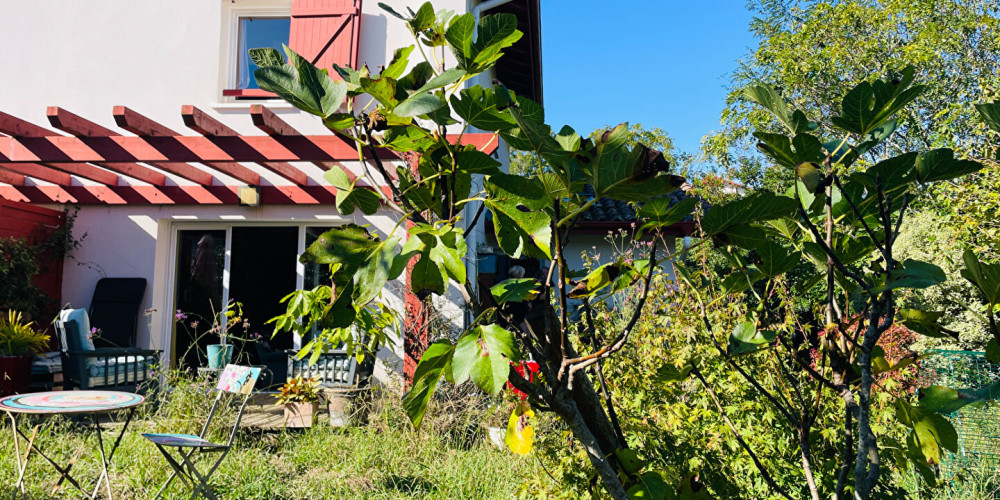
(326, 31)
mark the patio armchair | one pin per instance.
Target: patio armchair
(88, 367)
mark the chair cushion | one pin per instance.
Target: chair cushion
(127, 364)
(80, 330)
(181, 441)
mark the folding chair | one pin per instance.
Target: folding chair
(235, 379)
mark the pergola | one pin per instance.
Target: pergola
(131, 169)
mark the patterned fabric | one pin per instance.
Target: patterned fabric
(238, 379)
(62, 402)
(181, 441)
(127, 364)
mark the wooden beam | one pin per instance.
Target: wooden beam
(250, 148)
(17, 127)
(40, 172)
(81, 127)
(206, 125)
(147, 128)
(270, 123)
(170, 195)
(12, 178)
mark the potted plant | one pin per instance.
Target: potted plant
(19, 341)
(300, 397)
(221, 354)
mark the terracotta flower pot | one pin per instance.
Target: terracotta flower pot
(15, 374)
(299, 415)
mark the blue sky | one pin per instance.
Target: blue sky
(662, 63)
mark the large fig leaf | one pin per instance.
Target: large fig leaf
(432, 365)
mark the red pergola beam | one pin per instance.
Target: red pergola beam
(81, 127)
(204, 124)
(40, 172)
(12, 178)
(273, 125)
(169, 195)
(147, 129)
(19, 128)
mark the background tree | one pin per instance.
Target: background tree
(812, 52)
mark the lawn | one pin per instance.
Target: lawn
(377, 457)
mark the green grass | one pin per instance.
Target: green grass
(380, 459)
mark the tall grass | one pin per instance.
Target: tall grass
(379, 457)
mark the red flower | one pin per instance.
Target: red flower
(532, 368)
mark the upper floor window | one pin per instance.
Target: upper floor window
(324, 32)
(258, 32)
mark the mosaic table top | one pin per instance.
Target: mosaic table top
(64, 402)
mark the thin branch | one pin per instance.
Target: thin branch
(475, 220)
(612, 414)
(836, 261)
(582, 362)
(857, 212)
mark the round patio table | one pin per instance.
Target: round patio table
(93, 403)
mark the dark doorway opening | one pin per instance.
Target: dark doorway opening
(262, 272)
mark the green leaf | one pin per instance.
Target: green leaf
(869, 105)
(771, 101)
(459, 37)
(484, 354)
(303, 85)
(400, 59)
(427, 277)
(930, 432)
(596, 280)
(745, 338)
(670, 373)
(266, 57)
(477, 162)
(423, 19)
(448, 251)
(495, 33)
(521, 225)
(993, 351)
(404, 138)
(651, 486)
(925, 323)
(418, 104)
(659, 213)
(947, 400)
(778, 147)
(373, 275)
(738, 281)
(515, 290)
(940, 164)
(425, 378)
(986, 277)
(990, 113)
(348, 245)
(776, 260)
(913, 274)
(756, 207)
(388, 9)
(478, 106)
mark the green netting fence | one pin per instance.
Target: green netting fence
(978, 428)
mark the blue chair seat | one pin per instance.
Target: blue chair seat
(182, 441)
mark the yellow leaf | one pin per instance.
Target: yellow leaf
(519, 432)
(809, 175)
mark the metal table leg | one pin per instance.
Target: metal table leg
(106, 458)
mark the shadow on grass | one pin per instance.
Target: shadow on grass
(409, 484)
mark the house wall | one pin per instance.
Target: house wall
(155, 56)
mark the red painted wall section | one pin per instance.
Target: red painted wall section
(416, 323)
(326, 31)
(36, 224)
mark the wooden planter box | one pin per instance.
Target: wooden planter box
(298, 415)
